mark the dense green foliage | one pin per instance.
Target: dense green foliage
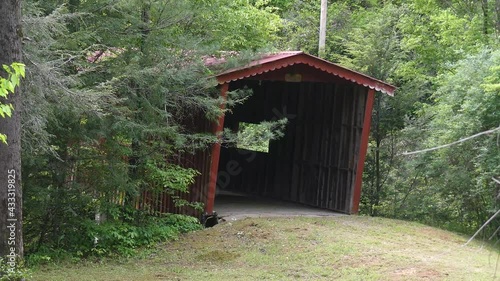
(111, 85)
(443, 65)
(19, 273)
(256, 137)
(111, 88)
(443, 58)
(113, 237)
(457, 181)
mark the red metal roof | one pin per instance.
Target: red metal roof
(285, 59)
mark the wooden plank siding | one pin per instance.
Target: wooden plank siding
(315, 162)
(162, 202)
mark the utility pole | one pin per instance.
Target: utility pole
(322, 28)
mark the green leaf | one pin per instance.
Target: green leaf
(14, 79)
(7, 69)
(3, 91)
(19, 68)
(6, 109)
(3, 138)
(7, 85)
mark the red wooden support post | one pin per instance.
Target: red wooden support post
(218, 127)
(362, 151)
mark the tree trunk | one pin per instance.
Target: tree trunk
(378, 176)
(497, 11)
(486, 18)
(11, 240)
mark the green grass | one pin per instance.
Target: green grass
(299, 248)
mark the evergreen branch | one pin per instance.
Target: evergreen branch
(453, 143)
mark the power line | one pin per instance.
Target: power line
(453, 143)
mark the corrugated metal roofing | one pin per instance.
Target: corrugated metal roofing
(285, 59)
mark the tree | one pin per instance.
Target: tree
(114, 89)
(374, 48)
(11, 239)
(467, 102)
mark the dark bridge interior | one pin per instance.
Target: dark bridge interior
(315, 162)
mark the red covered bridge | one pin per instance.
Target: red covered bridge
(319, 161)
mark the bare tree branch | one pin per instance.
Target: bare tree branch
(482, 227)
(494, 233)
(495, 180)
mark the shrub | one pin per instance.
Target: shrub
(115, 237)
(19, 272)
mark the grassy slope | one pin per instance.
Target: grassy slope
(332, 248)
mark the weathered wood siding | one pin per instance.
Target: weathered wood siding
(315, 162)
(162, 202)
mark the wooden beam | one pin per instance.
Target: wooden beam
(362, 151)
(214, 167)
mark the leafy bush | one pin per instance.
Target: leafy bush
(114, 237)
(7, 273)
(123, 238)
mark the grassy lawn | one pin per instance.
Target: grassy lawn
(299, 248)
